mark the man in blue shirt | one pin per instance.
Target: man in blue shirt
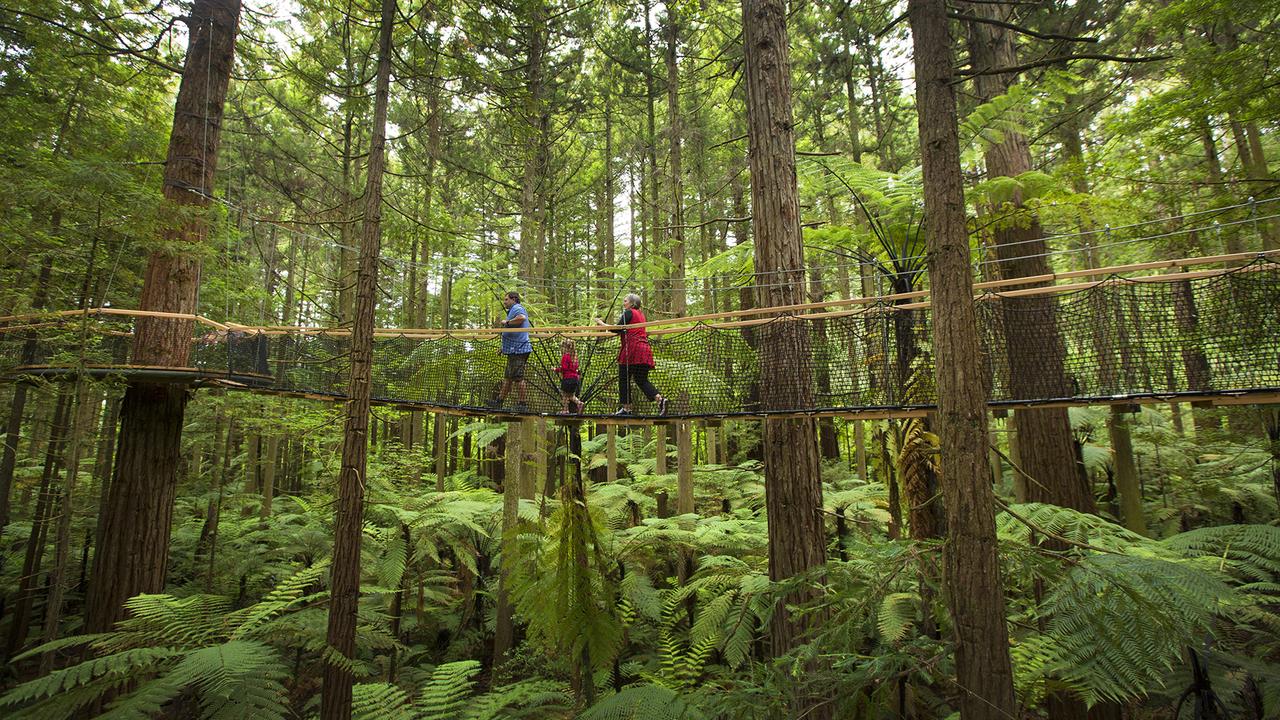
(516, 346)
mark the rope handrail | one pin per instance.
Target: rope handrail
(879, 303)
(1195, 331)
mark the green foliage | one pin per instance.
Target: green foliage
(446, 695)
(642, 702)
(1118, 624)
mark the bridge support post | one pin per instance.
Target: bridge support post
(660, 450)
(441, 448)
(684, 467)
(1126, 472)
(611, 453)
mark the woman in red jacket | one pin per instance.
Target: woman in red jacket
(635, 357)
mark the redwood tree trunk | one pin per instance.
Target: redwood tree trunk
(972, 570)
(675, 137)
(793, 495)
(1036, 352)
(138, 511)
(335, 701)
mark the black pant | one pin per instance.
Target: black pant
(639, 373)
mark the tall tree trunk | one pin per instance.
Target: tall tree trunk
(504, 625)
(442, 450)
(39, 297)
(335, 702)
(532, 193)
(135, 524)
(20, 614)
(1036, 351)
(684, 468)
(18, 406)
(974, 591)
(269, 477)
(1126, 471)
(793, 495)
(649, 171)
(83, 418)
(675, 138)
(605, 242)
(434, 121)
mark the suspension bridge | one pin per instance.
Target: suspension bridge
(1187, 330)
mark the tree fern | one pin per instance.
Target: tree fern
(643, 702)
(123, 665)
(1250, 551)
(445, 695)
(237, 679)
(380, 701)
(1117, 624)
(896, 614)
(528, 698)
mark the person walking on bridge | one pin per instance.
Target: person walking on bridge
(635, 357)
(516, 347)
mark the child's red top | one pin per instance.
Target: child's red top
(568, 366)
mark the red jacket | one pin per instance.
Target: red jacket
(635, 348)
(568, 367)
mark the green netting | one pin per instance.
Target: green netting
(1121, 339)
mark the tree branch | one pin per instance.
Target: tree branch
(1059, 59)
(1019, 29)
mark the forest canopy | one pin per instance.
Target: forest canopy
(390, 172)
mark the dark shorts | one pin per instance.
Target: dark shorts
(570, 386)
(515, 366)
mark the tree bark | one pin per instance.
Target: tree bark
(684, 468)
(504, 625)
(18, 406)
(335, 701)
(83, 417)
(442, 450)
(793, 495)
(134, 552)
(972, 571)
(25, 596)
(536, 121)
(1035, 349)
(1126, 472)
(675, 137)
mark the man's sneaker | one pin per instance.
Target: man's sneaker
(493, 403)
(662, 406)
(622, 412)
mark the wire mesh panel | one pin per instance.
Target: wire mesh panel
(1218, 333)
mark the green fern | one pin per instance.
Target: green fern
(1249, 551)
(1117, 624)
(445, 696)
(643, 702)
(380, 701)
(528, 698)
(896, 614)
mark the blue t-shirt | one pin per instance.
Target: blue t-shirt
(516, 343)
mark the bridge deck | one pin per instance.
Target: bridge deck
(1210, 335)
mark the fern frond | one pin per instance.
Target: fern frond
(445, 695)
(643, 702)
(1252, 551)
(237, 679)
(537, 697)
(896, 614)
(380, 701)
(125, 664)
(1119, 623)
